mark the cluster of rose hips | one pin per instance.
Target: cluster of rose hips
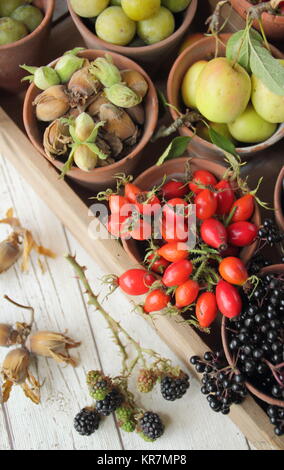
(203, 278)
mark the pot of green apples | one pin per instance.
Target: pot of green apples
(24, 28)
(144, 31)
(245, 111)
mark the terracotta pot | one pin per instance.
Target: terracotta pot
(273, 24)
(27, 50)
(99, 178)
(275, 268)
(146, 54)
(175, 169)
(205, 49)
(279, 199)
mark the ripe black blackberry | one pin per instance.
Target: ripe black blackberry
(87, 421)
(270, 232)
(151, 425)
(173, 388)
(111, 402)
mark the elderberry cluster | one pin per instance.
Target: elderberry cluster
(222, 385)
(276, 416)
(270, 232)
(256, 338)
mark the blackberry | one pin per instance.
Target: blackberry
(173, 388)
(146, 380)
(111, 402)
(151, 425)
(99, 385)
(87, 421)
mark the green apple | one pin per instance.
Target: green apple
(250, 128)
(89, 8)
(223, 91)
(157, 27)
(176, 5)
(266, 103)
(189, 84)
(114, 26)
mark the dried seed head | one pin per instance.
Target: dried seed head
(52, 103)
(122, 96)
(117, 121)
(85, 158)
(105, 71)
(9, 252)
(8, 336)
(82, 85)
(54, 345)
(135, 81)
(15, 366)
(56, 139)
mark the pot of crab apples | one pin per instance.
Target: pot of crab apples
(232, 103)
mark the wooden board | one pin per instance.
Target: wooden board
(74, 214)
(69, 203)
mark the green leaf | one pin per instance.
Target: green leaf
(75, 51)
(238, 47)
(68, 164)
(176, 148)
(221, 141)
(266, 68)
(94, 148)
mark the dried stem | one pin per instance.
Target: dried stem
(115, 326)
(22, 306)
(184, 120)
(215, 19)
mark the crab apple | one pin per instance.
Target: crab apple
(156, 28)
(89, 8)
(250, 128)
(138, 11)
(189, 84)
(266, 103)
(223, 91)
(113, 26)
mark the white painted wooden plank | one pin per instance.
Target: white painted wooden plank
(58, 303)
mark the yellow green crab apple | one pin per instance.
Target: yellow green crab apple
(158, 27)
(222, 129)
(266, 103)
(189, 83)
(8, 6)
(114, 26)
(176, 5)
(11, 30)
(29, 15)
(139, 10)
(89, 8)
(116, 3)
(250, 128)
(223, 90)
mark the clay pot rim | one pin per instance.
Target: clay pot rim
(144, 139)
(266, 398)
(279, 214)
(265, 15)
(210, 165)
(250, 149)
(188, 17)
(47, 18)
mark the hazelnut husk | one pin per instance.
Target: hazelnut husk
(81, 86)
(10, 251)
(117, 121)
(56, 139)
(52, 103)
(135, 81)
(8, 336)
(15, 371)
(53, 345)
